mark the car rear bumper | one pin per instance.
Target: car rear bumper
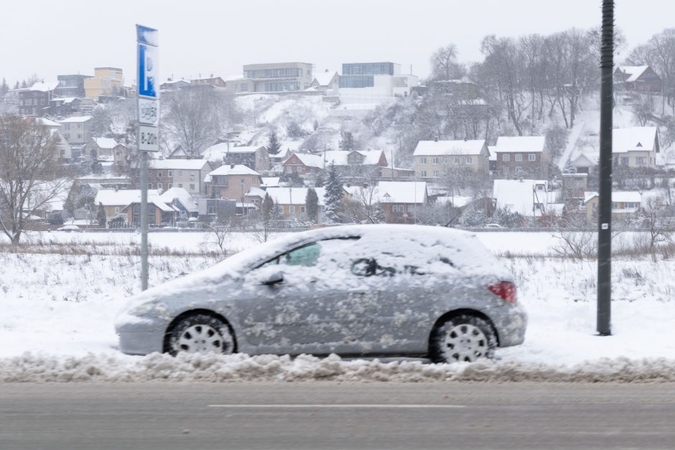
(511, 327)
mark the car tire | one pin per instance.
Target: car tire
(462, 338)
(200, 333)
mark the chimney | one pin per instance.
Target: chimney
(231, 166)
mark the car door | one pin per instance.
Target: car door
(305, 300)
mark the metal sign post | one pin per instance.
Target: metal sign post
(147, 112)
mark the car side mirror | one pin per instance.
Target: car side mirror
(275, 278)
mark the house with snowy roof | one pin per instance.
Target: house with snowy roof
(625, 205)
(184, 203)
(520, 156)
(399, 200)
(434, 158)
(292, 201)
(635, 146)
(126, 204)
(188, 174)
(34, 101)
(254, 157)
(231, 181)
(107, 151)
(328, 82)
(637, 78)
(356, 164)
(631, 147)
(77, 130)
(303, 164)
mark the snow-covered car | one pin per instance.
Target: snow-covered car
(358, 290)
(493, 225)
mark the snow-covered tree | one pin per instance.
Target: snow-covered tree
(333, 196)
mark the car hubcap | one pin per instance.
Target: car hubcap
(465, 342)
(202, 339)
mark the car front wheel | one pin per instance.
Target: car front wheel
(200, 333)
(462, 338)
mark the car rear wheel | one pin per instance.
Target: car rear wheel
(462, 338)
(200, 333)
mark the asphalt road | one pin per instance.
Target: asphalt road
(324, 415)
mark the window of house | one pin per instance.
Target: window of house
(192, 177)
(159, 174)
(624, 160)
(180, 173)
(424, 160)
(640, 160)
(456, 160)
(423, 173)
(435, 173)
(435, 160)
(468, 160)
(159, 185)
(445, 161)
(170, 185)
(180, 185)
(302, 209)
(117, 209)
(149, 185)
(170, 173)
(291, 209)
(192, 187)
(531, 157)
(397, 208)
(506, 157)
(518, 157)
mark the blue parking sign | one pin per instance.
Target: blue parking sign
(147, 70)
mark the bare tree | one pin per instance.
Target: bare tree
(656, 222)
(195, 118)
(30, 175)
(444, 65)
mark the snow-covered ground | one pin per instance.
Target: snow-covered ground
(57, 314)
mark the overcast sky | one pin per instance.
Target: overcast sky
(204, 37)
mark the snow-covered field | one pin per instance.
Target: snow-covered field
(57, 314)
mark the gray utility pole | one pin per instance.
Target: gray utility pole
(605, 194)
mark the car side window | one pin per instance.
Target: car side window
(303, 256)
(308, 255)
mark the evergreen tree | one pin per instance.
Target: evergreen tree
(267, 208)
(347, 141)
(4, 88)
(312, 203)
(273, 145)
(100, 215)
(333, 196)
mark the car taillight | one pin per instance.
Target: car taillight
(504, 290)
